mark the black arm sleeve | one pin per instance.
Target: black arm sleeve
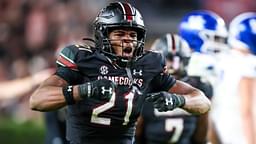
(163, 82)
(72, 77)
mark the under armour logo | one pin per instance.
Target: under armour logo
(168, 101)
(139, 72)
(69, 88)
(103, 90)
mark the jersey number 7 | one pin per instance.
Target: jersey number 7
(176, 125)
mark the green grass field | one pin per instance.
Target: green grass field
(12, 132)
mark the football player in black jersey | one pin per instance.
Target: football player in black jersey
(104, 86)
(175, 126)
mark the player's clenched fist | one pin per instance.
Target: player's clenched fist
(101, 89)
(164, 101)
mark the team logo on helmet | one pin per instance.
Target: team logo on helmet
(205, 31)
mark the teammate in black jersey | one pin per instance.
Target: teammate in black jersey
(105, 86)
(175, 126)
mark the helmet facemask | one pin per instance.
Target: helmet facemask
(177, 65)
(213, 42)
(136, 45)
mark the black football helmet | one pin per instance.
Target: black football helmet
(118, 15)
(174, 49)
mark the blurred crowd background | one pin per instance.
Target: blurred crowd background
(33, 31)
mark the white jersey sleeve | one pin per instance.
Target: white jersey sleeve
(203, 65)
(248, 68)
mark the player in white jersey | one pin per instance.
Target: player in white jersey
(206, 34)
(233, 102)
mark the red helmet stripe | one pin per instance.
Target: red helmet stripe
(127, 11)
(173, 43)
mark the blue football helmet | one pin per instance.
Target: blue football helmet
(242, 32)
(205, 31)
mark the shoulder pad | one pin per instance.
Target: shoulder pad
(159, 57)
(67, 56)
(85, 47)
(154, 61)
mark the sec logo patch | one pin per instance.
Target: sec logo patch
(104, 70)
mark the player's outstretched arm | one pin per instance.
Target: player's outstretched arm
(195, 100)
(246, 93)
(55, 93)
(48, 96)
(18, 87)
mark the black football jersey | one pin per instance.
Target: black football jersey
(172, 126)
(92, 118)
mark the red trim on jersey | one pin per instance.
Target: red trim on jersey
(67, 63)
(128, 11)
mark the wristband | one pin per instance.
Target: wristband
(68, 94)
(85, 90)
(179, 100)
